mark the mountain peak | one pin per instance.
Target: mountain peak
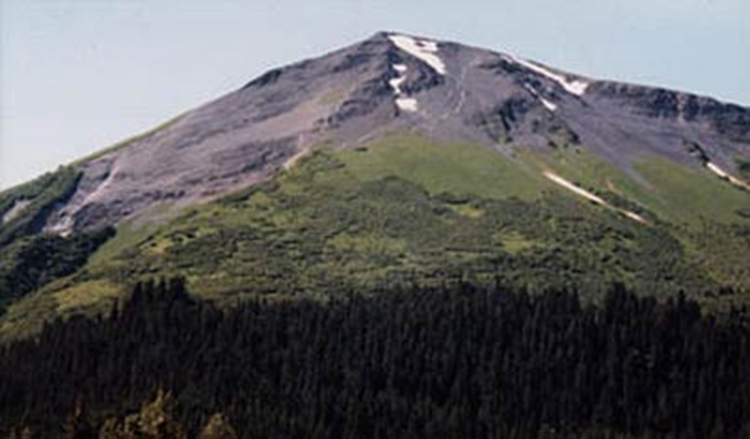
(430, 156)
(394, 82)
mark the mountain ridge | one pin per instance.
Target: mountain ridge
(347, 96)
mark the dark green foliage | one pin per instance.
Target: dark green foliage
(320, 225)
(43, 194)
(744, 167)
(450, 361)
(416, 212)
(26, 191)
(31, 263)
(725, 250)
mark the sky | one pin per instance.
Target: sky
(79, 75)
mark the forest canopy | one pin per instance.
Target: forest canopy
(450, 361)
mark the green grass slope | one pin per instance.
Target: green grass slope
(402, 210)
(686, 197)
(709, 216)
(458, 168)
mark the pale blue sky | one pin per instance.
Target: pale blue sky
(78, 75)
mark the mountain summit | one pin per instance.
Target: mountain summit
(394, 82)
(403, 238)
(399, 159)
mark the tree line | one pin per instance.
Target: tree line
(451, 361)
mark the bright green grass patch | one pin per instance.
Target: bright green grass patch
(694, 196)
(586, 170)
(462, 168)
(597, 176)
(671, 191)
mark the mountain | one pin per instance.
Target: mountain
(397, 160)
(446, 91)
(402, 238)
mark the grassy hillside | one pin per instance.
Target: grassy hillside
(401, 211)
(709, 216)
(30, 263)
(694, 196)
(460, 168)
(684, 196)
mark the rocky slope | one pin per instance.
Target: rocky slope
(389, 82)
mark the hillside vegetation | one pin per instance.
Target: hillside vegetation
(395, 214)
(38, 198)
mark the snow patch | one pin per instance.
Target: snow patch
(634, 216)
(576, 86)
(726, 176)
(590, 196)
(425, 50)
(407, 104)
(403, 102)
(547, 104)
(395, 84)
(717, 170)
(550, 106)
(575, 189)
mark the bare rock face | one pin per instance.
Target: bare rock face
(393, 82)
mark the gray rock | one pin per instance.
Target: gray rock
(344, 98)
